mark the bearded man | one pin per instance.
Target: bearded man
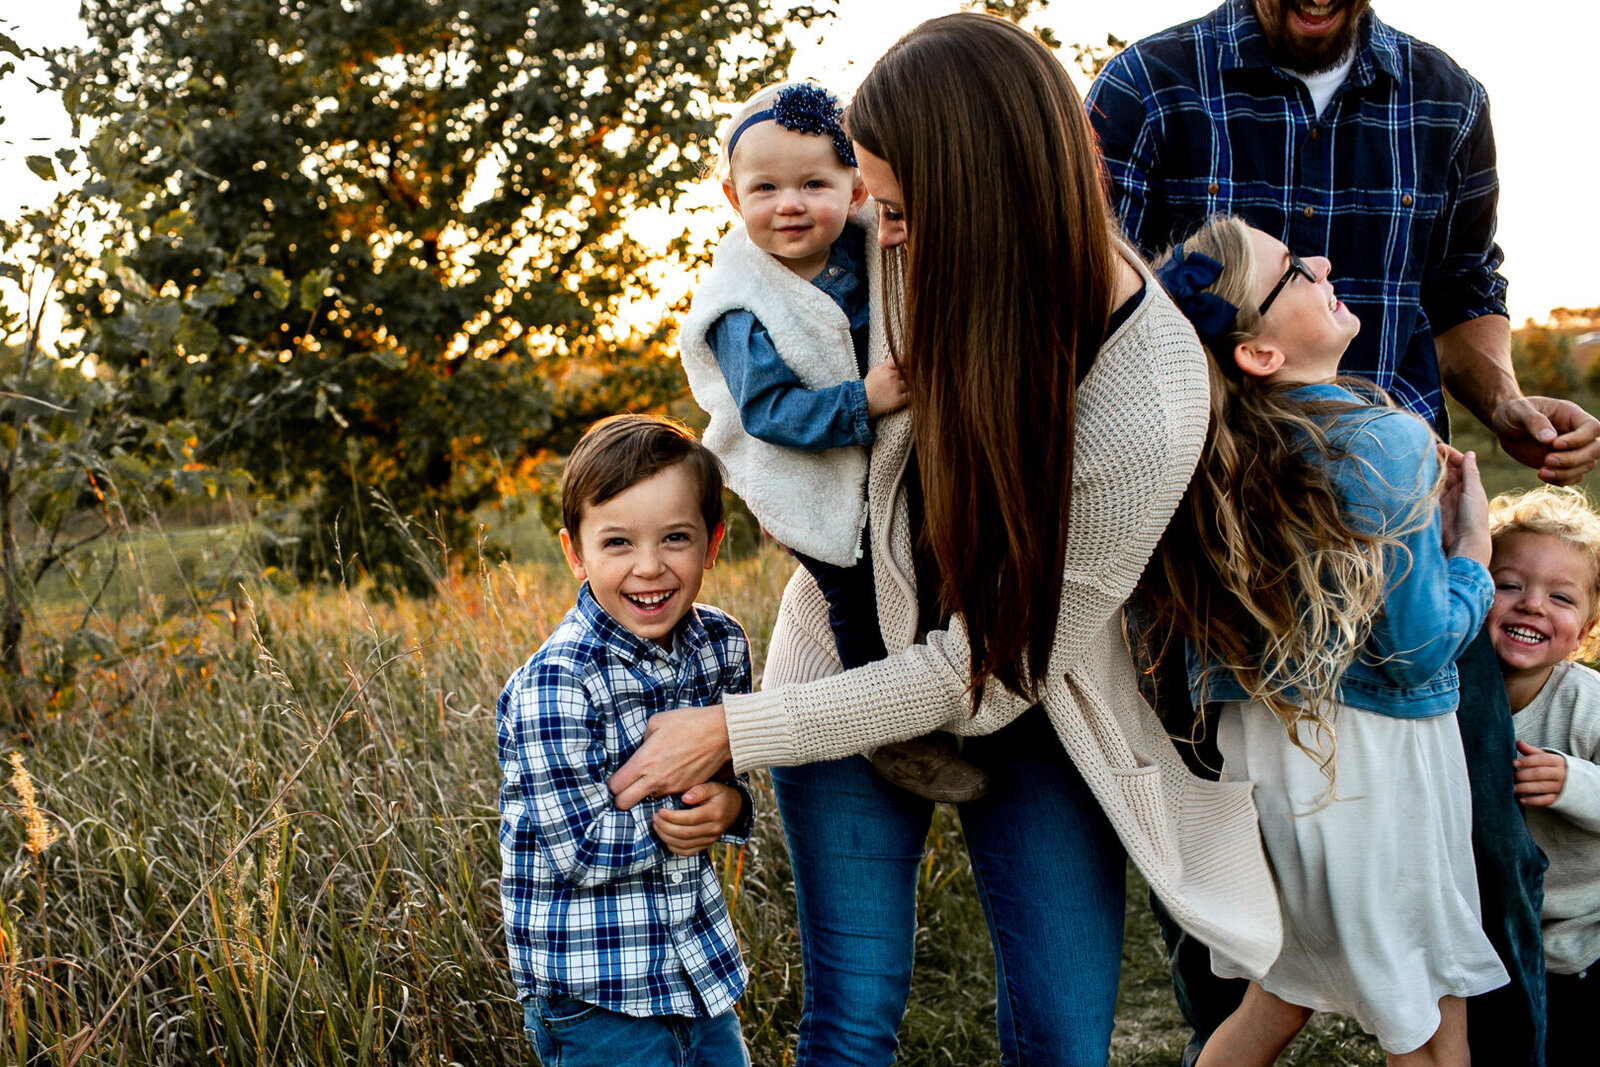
(1345, 138)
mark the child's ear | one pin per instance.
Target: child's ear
(731, 191)
(713, 543)
(570, 550)
(1256, 359)
(858, 195)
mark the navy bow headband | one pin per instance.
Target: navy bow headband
(803, 108)
(1185, 276)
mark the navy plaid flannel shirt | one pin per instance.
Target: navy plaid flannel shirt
(1395, 183)
(595, 907)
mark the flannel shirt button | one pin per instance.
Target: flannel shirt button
(1313, 133)
(677, 877)
(1309, 211)
(1405, 200)
(1212, 188)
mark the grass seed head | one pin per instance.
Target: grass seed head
(40, 834)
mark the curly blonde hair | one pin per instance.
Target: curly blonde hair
(1564, 513)
(1262, 568)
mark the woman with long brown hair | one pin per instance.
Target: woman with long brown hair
(1058, 406)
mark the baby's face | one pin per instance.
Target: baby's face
(794, 194)
(1543, 600)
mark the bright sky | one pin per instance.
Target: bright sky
(1536, 58)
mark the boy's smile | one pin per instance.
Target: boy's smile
(644, 553)
(1542, 605)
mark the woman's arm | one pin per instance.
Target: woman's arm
(1141, 422)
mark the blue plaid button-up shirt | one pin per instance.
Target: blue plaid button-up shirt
(595, 907)
(1395, 183)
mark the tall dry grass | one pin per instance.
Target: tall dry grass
(268, 836)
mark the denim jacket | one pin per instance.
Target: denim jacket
(773, 405)
(1434, 606)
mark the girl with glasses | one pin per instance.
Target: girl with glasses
(1326, 575)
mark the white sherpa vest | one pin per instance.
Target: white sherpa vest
(813, 502)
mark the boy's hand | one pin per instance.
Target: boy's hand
(886, 390)
(1540, 775)
(712, 808)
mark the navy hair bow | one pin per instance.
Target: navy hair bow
(1185, 276)
(803, 108)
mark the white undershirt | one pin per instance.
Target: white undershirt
(1325, 83)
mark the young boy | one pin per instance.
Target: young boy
(621, 945)
(1546, 570)
(785, 350)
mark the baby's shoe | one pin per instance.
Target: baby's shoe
(930, 767)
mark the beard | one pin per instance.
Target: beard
(1308, 55)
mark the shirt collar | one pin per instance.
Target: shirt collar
(848, 253)
(1242, 44)
(688, 637)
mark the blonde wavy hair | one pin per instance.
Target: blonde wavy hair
(1561, 512)
(1262, 567)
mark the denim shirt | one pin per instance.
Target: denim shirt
(1434, 606)
(773, 405)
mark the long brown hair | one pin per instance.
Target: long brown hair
(1007, 279)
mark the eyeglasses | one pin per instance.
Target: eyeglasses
(1296, 266)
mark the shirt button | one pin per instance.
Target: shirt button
(1313, 133)
(1405, 200)
(1309, 211)
(677, 877)
(1212, 188)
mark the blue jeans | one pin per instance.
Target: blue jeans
(569, 1033)
(1049, 870)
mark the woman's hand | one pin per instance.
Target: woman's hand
(681, 748)
(1463, 507)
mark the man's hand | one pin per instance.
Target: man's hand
(681, 748)
(712, 808)
(1555, 437)
(1540, 775)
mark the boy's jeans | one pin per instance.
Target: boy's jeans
(570, 1033)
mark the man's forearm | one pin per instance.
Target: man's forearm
(1475, 365)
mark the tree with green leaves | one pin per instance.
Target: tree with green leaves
(375, 250)
(76, 457)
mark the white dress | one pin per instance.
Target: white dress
(1379, 893)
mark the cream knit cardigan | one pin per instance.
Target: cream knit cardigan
(1141, 420)
(814, 502)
